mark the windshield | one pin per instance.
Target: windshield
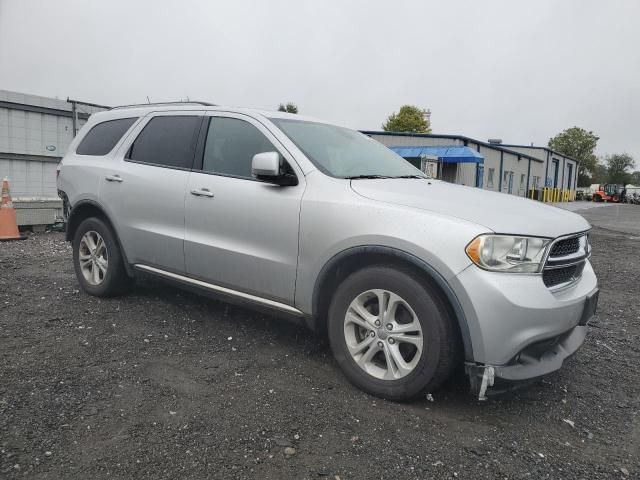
(344, 153)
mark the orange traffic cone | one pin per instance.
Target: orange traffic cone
(8, 222)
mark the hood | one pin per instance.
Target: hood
(499, 212)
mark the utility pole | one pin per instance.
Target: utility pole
(74, 111)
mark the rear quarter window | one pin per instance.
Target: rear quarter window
(101, 139)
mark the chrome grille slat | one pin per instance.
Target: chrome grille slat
(565, 247)
(566, 260)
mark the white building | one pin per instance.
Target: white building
(513, 169)
(34, 135)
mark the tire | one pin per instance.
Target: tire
(440, 350)
(112, 280)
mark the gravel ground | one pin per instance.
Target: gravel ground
(165, 384)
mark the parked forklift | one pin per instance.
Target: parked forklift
(608, 192)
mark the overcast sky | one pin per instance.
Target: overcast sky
(516, 70)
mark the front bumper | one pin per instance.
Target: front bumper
(518, 328)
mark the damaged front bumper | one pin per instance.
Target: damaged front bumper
(520, 330)
(538, 359)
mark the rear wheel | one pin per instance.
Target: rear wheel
(391, 333)
(98, 261)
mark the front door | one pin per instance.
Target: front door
(241, 233)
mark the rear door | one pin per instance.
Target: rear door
(241, 233)
(146, 190)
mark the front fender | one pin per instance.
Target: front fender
(402, 258)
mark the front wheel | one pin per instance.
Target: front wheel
(391, 333)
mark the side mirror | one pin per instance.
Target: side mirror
(266, 166)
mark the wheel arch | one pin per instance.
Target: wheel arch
(348, 261)
(86, 209)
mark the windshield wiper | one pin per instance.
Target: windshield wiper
(410, 176)
(356, 177)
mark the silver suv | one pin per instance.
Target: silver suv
(408, 276)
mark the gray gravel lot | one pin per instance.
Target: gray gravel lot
(165, 384)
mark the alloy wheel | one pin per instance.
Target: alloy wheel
(93, 257)
(383, 334)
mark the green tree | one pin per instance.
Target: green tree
(599, 175)
(618, 164)
(290, 107)
(408, 119)
(635, 178)
(578, 143)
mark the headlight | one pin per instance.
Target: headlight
(506, 253)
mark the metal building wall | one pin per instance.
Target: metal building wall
(547, 156)
(494, 158)
(29, 178)
(35, 133)
(491, 163)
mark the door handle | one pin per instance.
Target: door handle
(113, 178)
(203, 192)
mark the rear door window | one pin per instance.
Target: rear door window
(167, 141)
(101, 139)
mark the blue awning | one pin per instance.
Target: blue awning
(450, 154)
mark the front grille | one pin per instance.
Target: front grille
(558, 276)
(566, 261)
(565, 247)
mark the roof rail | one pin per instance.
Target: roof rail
(192, 102)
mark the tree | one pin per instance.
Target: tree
(290, 107)
(635, 178)
(599, 175)
(578, 143)
(618, 164)
(408, 119)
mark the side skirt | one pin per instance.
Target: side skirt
(233, 296)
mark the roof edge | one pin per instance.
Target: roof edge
(544, 148)
(455, 137)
